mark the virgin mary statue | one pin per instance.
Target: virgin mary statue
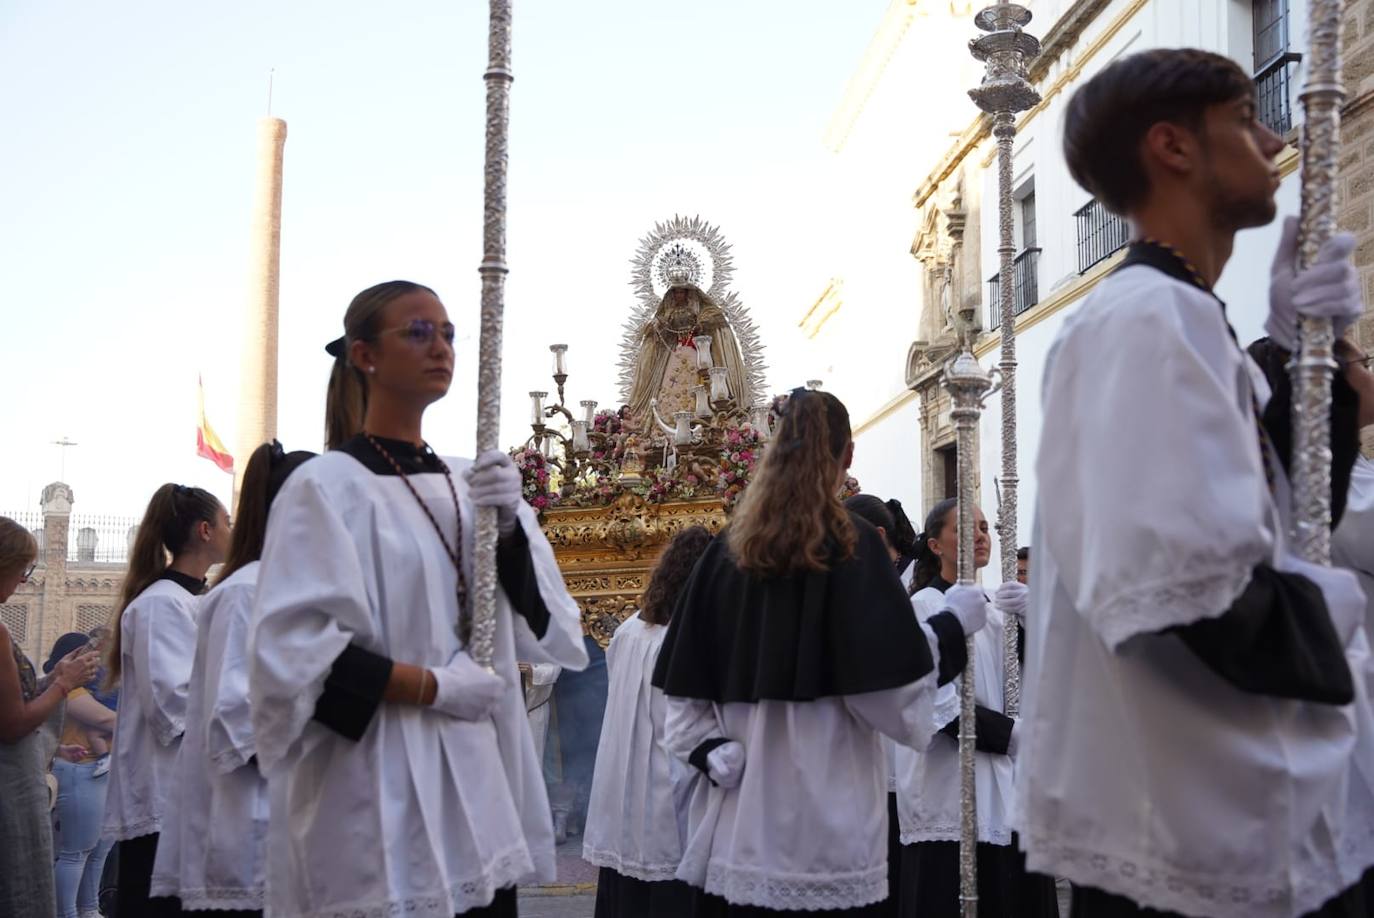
(666, 368)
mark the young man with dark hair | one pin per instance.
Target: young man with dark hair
(1023, 564)
(1187, 710)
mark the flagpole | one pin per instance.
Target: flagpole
(1314, 362)
(482, 630)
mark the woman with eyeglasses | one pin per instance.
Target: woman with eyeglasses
(152, 645)
(26, 704)
(792, 648)
(401, 774)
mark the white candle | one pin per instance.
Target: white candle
(703, 345)
(720, 386)
(560, 362)
(702, 404)
(579, 437)
(589, 406)
(537, 407)
(761, 422)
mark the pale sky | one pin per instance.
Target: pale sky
(128, 167)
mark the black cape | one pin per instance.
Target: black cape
(739, 637)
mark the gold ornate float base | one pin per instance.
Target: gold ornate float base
(606, 553)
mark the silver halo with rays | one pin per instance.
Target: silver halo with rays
(696, 248)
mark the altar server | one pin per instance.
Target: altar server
(928, 777)
(632, 830)
(793, 646)
(899, 536)
(1352, 547)
(402, 774)
(212, 851)
(152, 645)
(1186, 711)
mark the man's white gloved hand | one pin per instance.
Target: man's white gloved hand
(494, 481)
(465, 690)
(1012, 598)
(726, 764)
(969, 605)
(1329, 287)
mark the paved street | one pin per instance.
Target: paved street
(535, 905)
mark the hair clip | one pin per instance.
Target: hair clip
(277, 452)
(337, 347)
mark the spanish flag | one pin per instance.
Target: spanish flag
(207, 443)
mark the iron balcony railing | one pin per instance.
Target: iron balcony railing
(1272, 90)
(1025, 287)
(1101, 234)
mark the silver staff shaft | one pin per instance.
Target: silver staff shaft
(493, 270)
(968, 385)
(1006, 90)
(1314, 361)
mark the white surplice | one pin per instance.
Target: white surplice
(426, 814)
(631, 825)
(928, 777)
(1352, 547)
(806, 829)
(211, 853)
(1141, 771)
(157, 635)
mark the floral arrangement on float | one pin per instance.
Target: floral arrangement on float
(534, 474)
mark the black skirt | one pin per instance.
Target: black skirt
(503, 905)
(705, 905)
(930, 883)
(619, 896)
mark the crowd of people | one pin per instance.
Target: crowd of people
(310, 737)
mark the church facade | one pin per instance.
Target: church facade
(942, 261)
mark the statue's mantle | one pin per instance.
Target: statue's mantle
(606, 553)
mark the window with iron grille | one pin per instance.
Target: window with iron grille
(90, 616)
(1101, 234)
(1272, 64)
(15, 615)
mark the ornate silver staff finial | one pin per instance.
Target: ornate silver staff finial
(481, 621)
(968, 385)
(1006, 90)
(1314, 360)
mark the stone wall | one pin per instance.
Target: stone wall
(1356, 199)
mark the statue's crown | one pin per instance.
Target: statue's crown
(680, 266)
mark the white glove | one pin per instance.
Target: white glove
(1345, 600)
(1012, 598)
(1014, 741)
(494, 481)
(968, 604)
(1330, 287)
(465, 690)
(725, 764)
